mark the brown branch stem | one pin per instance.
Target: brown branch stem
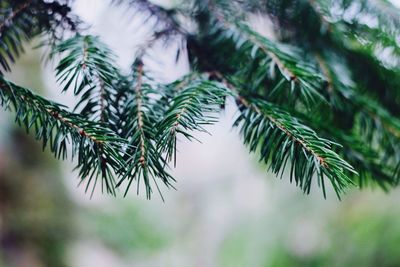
(138, 88)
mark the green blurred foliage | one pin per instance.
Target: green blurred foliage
(126, 229)
(35, 210)
(363, 231)
(367, 241)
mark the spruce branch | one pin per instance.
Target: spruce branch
(98, 150)
(195, 106)
(143, 159)
(335, 72)
(377, 125)
(367, 160)
(279, 137)
(88, 67)
(304, 79)
(373, 124)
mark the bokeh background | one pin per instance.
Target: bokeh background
(227, 210)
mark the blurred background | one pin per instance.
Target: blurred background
(227, 210)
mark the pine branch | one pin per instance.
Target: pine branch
(333, 71)
(279, 138)
(97, 149)
(377, 125)
(144, 160)
(305, 82)
(373, 125)
(372, 169)
(195, 106)
(88, 68)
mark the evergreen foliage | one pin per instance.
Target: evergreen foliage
(317, 93)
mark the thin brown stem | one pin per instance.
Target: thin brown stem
(64, 120)
(54, 113)
(140, 123)
(84, 54)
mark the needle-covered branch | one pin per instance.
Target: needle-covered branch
(88, 67)
(144, 161)
(96, 148)
(372, 124)
(279, 138)
(330, 65)
(297, 77)
(193, 107)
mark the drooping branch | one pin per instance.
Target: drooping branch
(92, 143)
